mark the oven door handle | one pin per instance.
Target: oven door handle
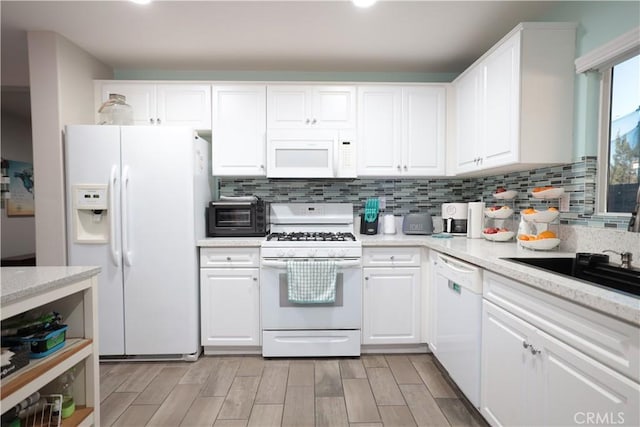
(283, 264)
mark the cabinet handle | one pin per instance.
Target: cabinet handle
(366, 278)
(158, 120)
(228, 258)
(391, 257)
(398, 167)
(307, 121)
(405, 167)
(261, 166)
(313, 122)
(255, 279)
(152, 121)
(526, 344)
(534, 351)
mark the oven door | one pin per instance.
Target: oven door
(278, 313)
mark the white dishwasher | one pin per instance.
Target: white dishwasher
(456, 321)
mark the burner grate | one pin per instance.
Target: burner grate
(312, 237)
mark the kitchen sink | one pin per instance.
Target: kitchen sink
(590, 268)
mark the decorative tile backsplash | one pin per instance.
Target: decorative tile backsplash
(421, 195)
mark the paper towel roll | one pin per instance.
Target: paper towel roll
(389, 224)
(475, 215)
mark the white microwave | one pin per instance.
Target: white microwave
(311, 154)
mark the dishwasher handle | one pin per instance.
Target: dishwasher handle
(459, 273)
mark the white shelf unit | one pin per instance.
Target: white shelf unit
(76, 302)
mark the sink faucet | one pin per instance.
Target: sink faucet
(625, 258)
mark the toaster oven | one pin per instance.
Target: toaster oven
(237, 219)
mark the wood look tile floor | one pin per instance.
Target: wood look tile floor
(373, 390)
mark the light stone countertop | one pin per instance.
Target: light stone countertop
(234, 242)
(21, 282)
(487, 255)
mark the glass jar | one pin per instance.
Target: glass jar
(115, 111)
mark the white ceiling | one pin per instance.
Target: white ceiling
(323, 36)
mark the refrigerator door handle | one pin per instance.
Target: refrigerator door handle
(115, 255)
(125, 216)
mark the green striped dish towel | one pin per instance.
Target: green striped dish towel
(311, 282)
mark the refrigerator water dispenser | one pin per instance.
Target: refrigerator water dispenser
(90, 212)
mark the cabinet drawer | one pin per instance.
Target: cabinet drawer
(614, 343)
(391, 257)
(229, 257)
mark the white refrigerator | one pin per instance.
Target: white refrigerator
(136, 198)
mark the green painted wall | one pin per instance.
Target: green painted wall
(284, 76)
(598, 23)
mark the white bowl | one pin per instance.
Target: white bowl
(540, 245)
(552, 193)
(505, 195)
(499, 214)
(501, 236)
(542, 216)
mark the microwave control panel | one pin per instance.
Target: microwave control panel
(346, 156)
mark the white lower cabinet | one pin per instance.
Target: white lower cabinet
(229, 298)
(530, 377)
(392, 296)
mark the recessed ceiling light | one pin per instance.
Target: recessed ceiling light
(141, 1)
(363, 3)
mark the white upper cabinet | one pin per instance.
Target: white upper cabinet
(239, 130)
(401, 130)
(514, 106)
(311, 107)
(176, 104)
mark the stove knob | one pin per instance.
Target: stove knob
(280, 253)
(291, 253)
(312, 252)
(331, 253)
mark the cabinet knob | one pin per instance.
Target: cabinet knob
(398, 167)
(366, 278)
(261, 166)
(534, 351)
(307, 121)
(313, 122)
(391, 257)
(255, 279)
(152, 121)
(228, 258)
(405, 167)
(525, 344)
(158, 120)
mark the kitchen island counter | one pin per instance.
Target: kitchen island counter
(22, 282)
(488, 255)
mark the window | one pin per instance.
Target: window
(616, 65)
(623, 142)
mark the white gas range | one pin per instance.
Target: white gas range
(310, 232)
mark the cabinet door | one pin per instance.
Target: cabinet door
(289, 107)
(379, 130)
(468, 119)
(333, 107)
(184, 105)
(575, 388)
(423, 129)
(239, 130)
(501, 105)
(141, 97)
(391, 306)
(230, 306)
(506, 378)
